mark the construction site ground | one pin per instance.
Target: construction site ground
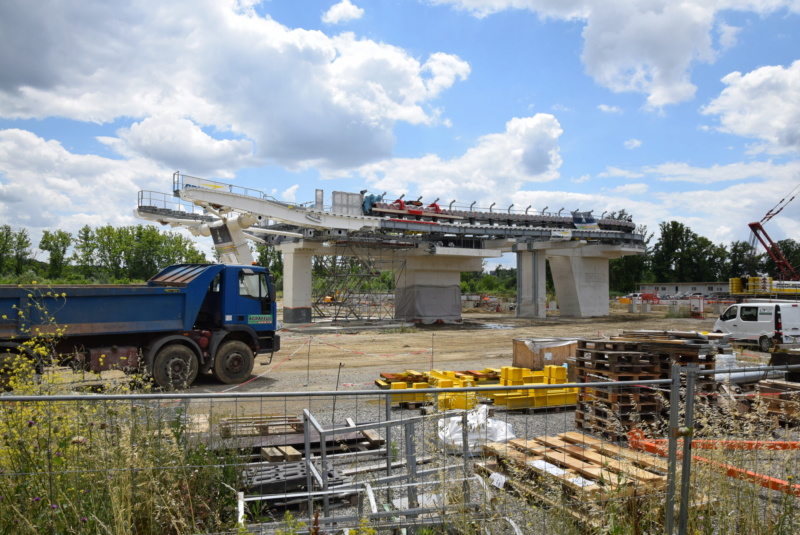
(311, 355)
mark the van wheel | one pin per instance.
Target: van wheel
(764, 344)
(174, 367)
(234, 362)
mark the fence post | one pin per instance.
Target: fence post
(686, 432)
(309, 480)
(389, 444)
(672, 451)
(465, 453)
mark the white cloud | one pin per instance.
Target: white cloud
(290, 194)
(44, 186)
(181, 144)
(496, 167)
(344, 11)
(647, 47)
(611, 172)
(299, 96)
(763, 104)
(609, 109)
(632, 144)
(727, 35)
(630, 189)
(740, 171)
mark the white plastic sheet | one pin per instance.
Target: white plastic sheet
(480, 430)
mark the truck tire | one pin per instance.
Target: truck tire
(233, 363)
(175, 366)
(764, 344)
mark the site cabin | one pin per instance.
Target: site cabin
(188, 319)
(762, 324)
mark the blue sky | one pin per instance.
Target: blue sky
(670, 110)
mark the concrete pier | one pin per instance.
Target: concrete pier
(580, 276)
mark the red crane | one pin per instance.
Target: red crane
(773, 250)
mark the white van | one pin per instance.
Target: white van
(761, 323)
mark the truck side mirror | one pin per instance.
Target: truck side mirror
(271, 288)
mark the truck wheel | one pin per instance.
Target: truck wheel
(233, 363)
(764, 344)
(175, 366)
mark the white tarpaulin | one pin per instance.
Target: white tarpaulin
(480, 430)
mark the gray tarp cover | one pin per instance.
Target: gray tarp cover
(428, 303)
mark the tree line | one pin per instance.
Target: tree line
(121, 254)
(105, 254)
(681, 255)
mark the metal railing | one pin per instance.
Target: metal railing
(138, 441)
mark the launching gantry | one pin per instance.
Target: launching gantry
(434, 244)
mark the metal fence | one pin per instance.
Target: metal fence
(376, 460)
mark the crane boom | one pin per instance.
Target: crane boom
(774, 251)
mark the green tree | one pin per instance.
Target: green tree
(625, 272)
(270, 258)
(56, 243)
(791, 251)
(84, 253)
(20, 251)
(111, 246)
(743, 261)
(672, 259)
(710, 260)
(6, 246)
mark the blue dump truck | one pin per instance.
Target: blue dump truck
(188, 319)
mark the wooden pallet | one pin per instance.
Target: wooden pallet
(268, 424)
(574, 472)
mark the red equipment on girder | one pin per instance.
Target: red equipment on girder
(772, 249)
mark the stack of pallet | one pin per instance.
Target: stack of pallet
(636, 356)
(683, 348)
(612, 410)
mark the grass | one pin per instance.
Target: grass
(105, 466)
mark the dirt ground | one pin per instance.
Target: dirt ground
(327, 357)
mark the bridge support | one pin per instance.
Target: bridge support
(296, 282)
(428, 279)
(580, 276)
(428, 290)
(531, 284)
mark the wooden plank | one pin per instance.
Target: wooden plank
(373, 438)
(272, 455)
(637, 457)
(290, 454)
(617, 465)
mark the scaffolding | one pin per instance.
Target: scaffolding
(350, 284)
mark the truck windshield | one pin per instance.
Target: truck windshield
(252, 284)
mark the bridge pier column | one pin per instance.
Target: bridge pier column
(581, 284)
(296, 283)
(531, 284)
(428, 289)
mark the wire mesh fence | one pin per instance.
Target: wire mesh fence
(639, 456)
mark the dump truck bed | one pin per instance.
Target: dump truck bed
(168, 302)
